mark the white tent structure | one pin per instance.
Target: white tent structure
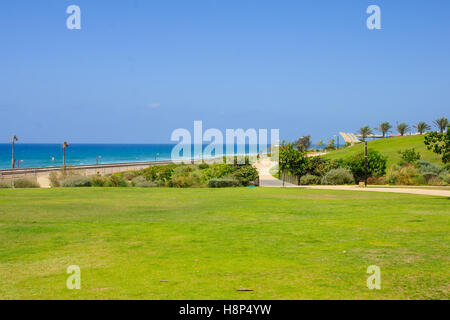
(349, 138)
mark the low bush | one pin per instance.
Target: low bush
(309, 179)
(184, 181)
(98, 181)
(5, 185)
(116, 181)
(425, 167)
(145, 184)
(245, 175)
(376, 181)
(338, 176)
(436, 181)
(161, 173)
(216, 171)
(223, 183)
(129, 175)
(25, 183)
(445, 177)
(76, 181)
(406, 175)
(54, 179)
(318, 166)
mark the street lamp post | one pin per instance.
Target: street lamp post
(365, 163)
(65, 145)
(13, 160)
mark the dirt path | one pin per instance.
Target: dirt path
(267, 180)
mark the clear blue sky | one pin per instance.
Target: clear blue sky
(139, 69)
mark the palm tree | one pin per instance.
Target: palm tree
(365, 132)
(441, 123)
(384, 128)
(421, 127)
(403, 128)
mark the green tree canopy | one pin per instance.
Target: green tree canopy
(291, 160)
(440, 144)
(441, 123)
(403, 128)
(303, 144)
(365, 132)
(384, 128)
(421, 127)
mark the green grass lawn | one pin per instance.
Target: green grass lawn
(390, 147)
(281, 243)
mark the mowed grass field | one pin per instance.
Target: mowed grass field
(207, 243)
(390, 147)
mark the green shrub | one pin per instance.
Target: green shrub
(76, 181)
(309, 179)
(245, 175)
(376, 180)
(216, 171)
(184, 181)
(338, 176)
(318, 166)
(69, 172)
(445, 177)
(409, 156)
(25, 183)
(425, 166)
(141, 182)
(406, 175)
(116, 181)
(161, 173)
(376, 165)
(5, 185)
(129, 175)
(54, 179)
(146, 184)
(203, 166)
(436, 181)
(430, 176)
(223, 183)
(98, 181)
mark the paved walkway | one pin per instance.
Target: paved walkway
(267, 180)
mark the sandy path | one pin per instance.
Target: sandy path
(267, 180)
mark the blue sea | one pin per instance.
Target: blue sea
(48, 155)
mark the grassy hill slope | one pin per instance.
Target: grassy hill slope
(389, 147)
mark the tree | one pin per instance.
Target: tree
(331, 145)
(384, 128)
(376, 165)
(403, 128)
(365, 132)
(441, 123)
(421, 127)
(292, 161)
(409, 156)
(303, 143)
(440, 144)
